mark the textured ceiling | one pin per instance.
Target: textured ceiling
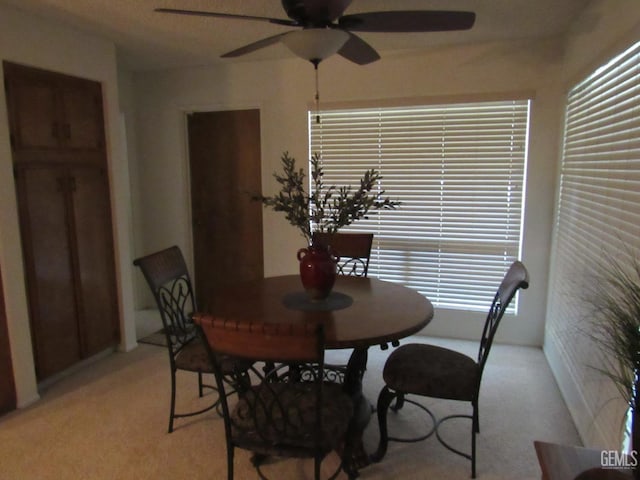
(148, 40)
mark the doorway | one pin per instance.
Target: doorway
(225, 163)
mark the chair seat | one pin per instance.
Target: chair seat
(436, 372)
(432, 371)
(285, 417)
(194, 357)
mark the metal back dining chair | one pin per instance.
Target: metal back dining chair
(354, 250)
(281, 412)
(167, 275)
(437, 372)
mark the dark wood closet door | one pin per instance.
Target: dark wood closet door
(7, 384)
(59, 156)
(95, 259)
(224, 152)
(52, 111)
(33, 110)
(43, 201)
(81, 111)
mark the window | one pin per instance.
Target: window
(458, 170)
(598, 214)
(599, 196)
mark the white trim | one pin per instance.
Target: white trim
(591, 427)
(425, 100)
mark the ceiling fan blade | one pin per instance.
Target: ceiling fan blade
(358, 51)
(277, 21)
(252, 47)
(408, 21)
(315, 12)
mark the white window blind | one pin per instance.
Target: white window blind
(458, 170)
(600, 177)
(599, 204)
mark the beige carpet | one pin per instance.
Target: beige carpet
(109, 421)
(156, 338)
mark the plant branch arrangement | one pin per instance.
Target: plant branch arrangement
(615, 328)
(325, 209)
(615, 303)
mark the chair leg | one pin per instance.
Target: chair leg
(172, 410)
(473, 454)
(476, 417)
(200, 389)
(384, 400)
(399, 402)
(229, 462)
(349, 463)
(316, 467)
(475, 429)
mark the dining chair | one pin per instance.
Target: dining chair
(437, 372)
(278, 413)
(167, 275)
(354, 250)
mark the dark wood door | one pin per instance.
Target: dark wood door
(224, 152)
(57, 138)
(66, 230)
(7, 384)
(95, 274)
(81, 115)
(33, 108)
(51, 111)
(43, 200)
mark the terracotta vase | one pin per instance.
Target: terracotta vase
(317, 270)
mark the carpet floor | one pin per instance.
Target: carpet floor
(156, 338)
(109, 421)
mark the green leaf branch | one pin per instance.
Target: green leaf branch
(612, 298)
(326, 208)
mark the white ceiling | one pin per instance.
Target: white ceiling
(148, 40)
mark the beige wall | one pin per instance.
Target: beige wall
(284, 89)
(30, 41)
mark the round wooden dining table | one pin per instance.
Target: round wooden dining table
(359, 313)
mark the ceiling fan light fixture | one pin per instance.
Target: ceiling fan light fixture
(315, 44)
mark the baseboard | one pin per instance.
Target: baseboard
(593, 431)
(43, 385)
(467, 325)
(28, 402)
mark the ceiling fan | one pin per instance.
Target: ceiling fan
(326, 30)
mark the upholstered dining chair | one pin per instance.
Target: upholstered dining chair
(167, 275)
(437, 372)
(278, 413)
(354, 250)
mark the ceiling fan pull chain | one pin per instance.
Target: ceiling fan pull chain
(315, 66)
